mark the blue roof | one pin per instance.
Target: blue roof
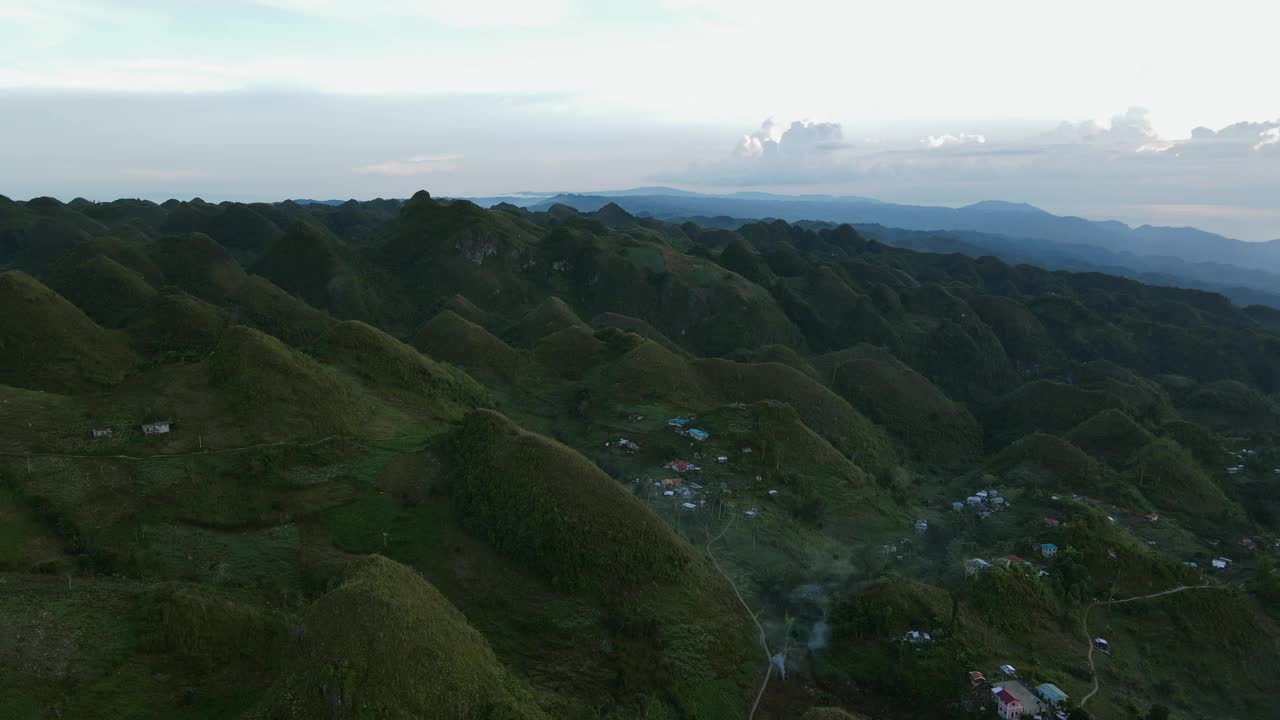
(677, 421)
(1052, 693)
(698, 434)
(1049, 546)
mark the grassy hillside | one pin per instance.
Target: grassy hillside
(281, 393)
(554, 510)
(339, 524)
(385, 643)
(49, 344)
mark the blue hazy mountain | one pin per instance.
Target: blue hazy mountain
(1181, 256)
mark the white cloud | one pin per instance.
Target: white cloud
(937, 141)
(163, 173)
(1133, 127)
(414, 166)
(1123, 162)
(458, 13)
(1270, 136)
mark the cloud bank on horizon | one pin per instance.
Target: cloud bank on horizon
(1228, 178)
(919, 101)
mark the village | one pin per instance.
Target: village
(677, 481)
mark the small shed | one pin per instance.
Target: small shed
(1051, 522)
(157, 427)
(1048, 550)
(975, 565)
(678, 422)
(100, 433)
(976, 678)
(921, 526)
(697, 434)
(957, 505)
(1008, 671)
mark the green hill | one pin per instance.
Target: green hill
(587, 556)
(548, 317)
(105, 290)
(399, 372)
(570, 352)
(920, 415)
(454, 339)
(47, 343)
(1110, 434)
(547, 506)
(176, 322)
(279, 393)
(386, 643)
(824, 411)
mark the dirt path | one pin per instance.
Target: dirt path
(764, 644)
(1088, 637)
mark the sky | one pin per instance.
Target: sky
(1146, 112)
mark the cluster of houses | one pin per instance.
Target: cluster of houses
(682, 427)
(630, 447)
(1241, 455)
(983, 502)
(156, 427)
(677, 488)
(1014, 701)
(974, 566)
(917, 637)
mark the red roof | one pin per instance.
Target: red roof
(1013, 558)
(1006, 698)
(1051, 521)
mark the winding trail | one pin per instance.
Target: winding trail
(1088, 637)
(764, 644)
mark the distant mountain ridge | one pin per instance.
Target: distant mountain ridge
(1182, 256)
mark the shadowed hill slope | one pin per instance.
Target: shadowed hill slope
(386, 643)
(49, 344)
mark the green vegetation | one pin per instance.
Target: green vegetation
(281, 393)
(549, 507)
(385, 643)
(49, 344)
(339, 524)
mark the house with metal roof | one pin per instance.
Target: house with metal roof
(1051, 694)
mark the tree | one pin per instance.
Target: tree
(1158, 712)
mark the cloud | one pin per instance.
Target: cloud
(457, 13)
(1270, 136)
(937, 141)
(414, 166)
(1084, 166)
(163, 173)
(1133, 127)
